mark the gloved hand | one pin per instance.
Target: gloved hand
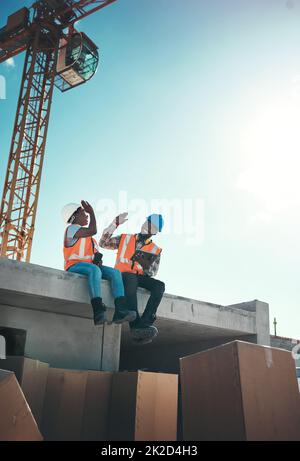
(98, 259)
(121, 219)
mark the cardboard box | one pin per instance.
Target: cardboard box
(143, 406)
(16, 420)
(96, 408)
(240, 391)
(32, 377)
(76, 405)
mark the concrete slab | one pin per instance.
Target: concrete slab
(53, 307)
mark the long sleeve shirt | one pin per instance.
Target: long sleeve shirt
(109, 242)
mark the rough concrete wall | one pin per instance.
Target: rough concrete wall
(64, 341)
(28, 285)
(287, 344)
(262, 319)
(54, 308)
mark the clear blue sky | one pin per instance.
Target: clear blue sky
(193, 100)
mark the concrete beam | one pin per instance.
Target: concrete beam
(262, 323)
(53, 306)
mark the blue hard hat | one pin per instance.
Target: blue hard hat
(157, 220)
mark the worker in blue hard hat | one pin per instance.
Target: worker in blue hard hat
(138, 259)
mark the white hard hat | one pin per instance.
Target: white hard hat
(68, 210)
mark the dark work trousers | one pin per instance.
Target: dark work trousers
(156, 287)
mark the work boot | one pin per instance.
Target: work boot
(122, 313)
(148, 320)
(142, 331)
(141, 341)
(99, 309)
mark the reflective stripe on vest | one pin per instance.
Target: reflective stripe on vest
(82, 251)
(126, 251)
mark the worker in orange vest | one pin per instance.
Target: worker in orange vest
(81, 256)
(138, 259)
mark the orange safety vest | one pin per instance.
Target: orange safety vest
(81, 252)
(127, 249)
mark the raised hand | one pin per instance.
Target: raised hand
(87, 207)
(121, 218)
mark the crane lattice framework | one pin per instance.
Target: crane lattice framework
(56, 54)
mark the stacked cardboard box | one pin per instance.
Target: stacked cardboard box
(76, 405)
(240, 391)
(96, 405)
(237, 391)
(16, 420)
(32, 377)
(143, 406)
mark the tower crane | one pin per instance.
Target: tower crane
(56, 54)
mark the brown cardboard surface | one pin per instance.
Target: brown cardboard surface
(270, 395)
(32, 377)
(76, 405)
(211, 396)
(240, 391)
(143, 406)
(122, 406)
(16, 420)
(63, 405)
(156, 413)
(96, 408)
